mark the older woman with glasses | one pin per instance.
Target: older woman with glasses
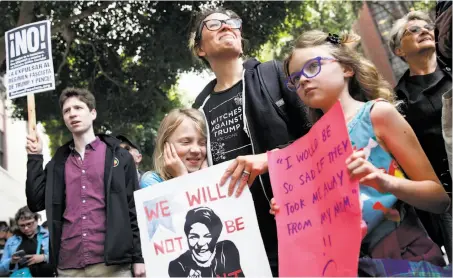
(26, 254)
(422, 88)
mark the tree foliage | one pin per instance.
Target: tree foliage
(130, 53)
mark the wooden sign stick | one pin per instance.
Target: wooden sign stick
(31, 115)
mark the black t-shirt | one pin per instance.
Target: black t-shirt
(225, 117)
(29, 245)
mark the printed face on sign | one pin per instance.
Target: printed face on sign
(190, 145)
(77, 116)
(199, 242)
(207, 255)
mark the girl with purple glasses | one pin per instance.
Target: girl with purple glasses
(393, 171)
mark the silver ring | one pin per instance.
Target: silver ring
(246, 173)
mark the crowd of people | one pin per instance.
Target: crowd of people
(248, 109)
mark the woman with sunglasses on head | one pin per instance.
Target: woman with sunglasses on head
(323, 69)
(423, 89)
(28, 250)
(244, 118)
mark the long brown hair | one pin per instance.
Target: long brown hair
(366, 83)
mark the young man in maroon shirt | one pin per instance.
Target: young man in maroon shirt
(87, 191)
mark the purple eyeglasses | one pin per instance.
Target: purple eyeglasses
(311, 69)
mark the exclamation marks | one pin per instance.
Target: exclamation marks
(42, 32)
(12, 49)
(327, 242)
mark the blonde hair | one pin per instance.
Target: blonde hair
(366, 83)
(168, 125)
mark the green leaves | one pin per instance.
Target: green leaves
(129, 53)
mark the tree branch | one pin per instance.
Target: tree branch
(26, 16)
(106, 75)
(68, 36)
(64, 61)
(86, 13)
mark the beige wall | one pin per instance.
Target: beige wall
(12, 179)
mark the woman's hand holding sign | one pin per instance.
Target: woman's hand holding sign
(244, 169)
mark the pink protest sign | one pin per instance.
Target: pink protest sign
(319, 219)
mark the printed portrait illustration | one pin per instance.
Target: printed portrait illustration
(206, 257)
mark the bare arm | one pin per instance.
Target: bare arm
(423, 189)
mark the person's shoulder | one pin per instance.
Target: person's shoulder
(14, 239)
(151, 175)
(226, 245)
(402, 82)
(383, 114)
(123, 153)
(204, 94)
(149, 178)
(178, 266)
(43, 231)
(183, 259)
(381, 109)
(251, 63)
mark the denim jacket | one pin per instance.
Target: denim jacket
(11, 247)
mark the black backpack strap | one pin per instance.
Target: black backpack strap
(270, 74)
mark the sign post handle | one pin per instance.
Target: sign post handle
(31, 115)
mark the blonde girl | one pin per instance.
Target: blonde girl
(180, 146)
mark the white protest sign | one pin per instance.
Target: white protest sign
(189, 227)
(29, 66)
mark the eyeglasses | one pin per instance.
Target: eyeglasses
(415, 29)
(26, 225)
(311, 69)
(216, 24)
